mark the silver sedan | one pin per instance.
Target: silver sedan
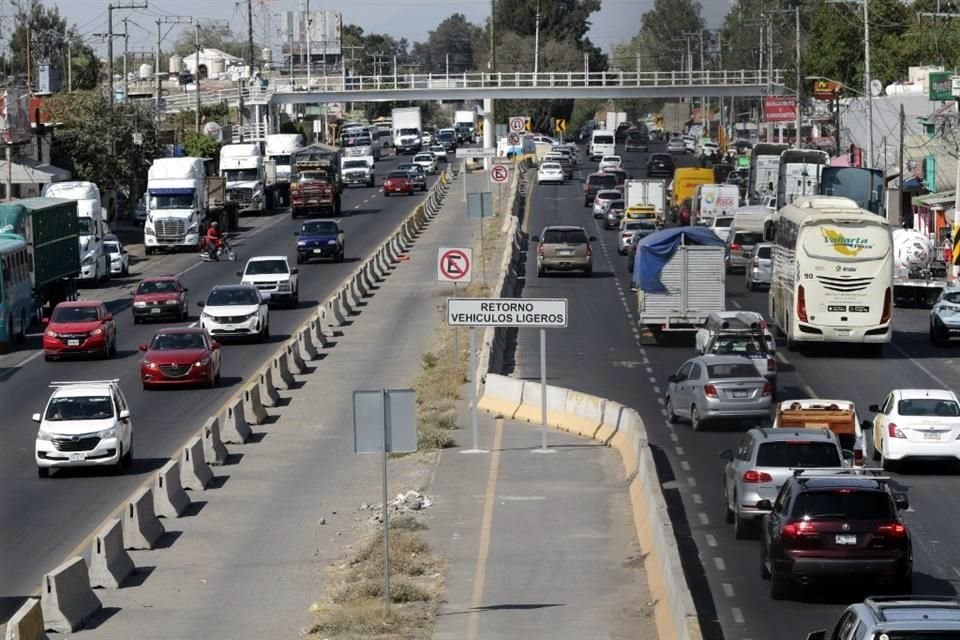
(632, 228)
(714, 388)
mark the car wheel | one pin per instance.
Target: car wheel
(741, 527)
(764, 572)
(299, 259)
(136, 320)
(541, 272)
(296, 298)
(588, 272)
(876, 449)
(43, 472)
(211, 381)
(779, 585)
(904, 586)
(671, 414)
(113, 348)
(887, 465)
(386, 194)
(695, 422)
(127, 459)
(126, 271)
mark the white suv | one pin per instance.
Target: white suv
(895, 617)
(235, 310)
(85, 424)
(274, 279)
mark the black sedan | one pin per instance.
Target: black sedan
(660, 165)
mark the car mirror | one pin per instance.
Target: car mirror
(766, 505)
(45, 321)
(125, 414)
(593, 238)
(817, 635)
(214, 345)
(133, 293)
(901, 500)
(726, 454)
(535, 238)
(143, 347)
(874, 408)
(847, 455)
(108, 317)
(35, 417)
(866, 424)
(185, 290)
(240, 273)
(200, 304)
(673, 378)
(123, 250)
(294, 271)
(296, 233)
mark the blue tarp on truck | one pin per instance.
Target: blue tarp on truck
(655, 250)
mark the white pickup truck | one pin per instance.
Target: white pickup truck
(358, 170)
(274, 279)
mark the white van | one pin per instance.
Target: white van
(602, 144)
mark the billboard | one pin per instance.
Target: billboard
(15, 116)
(940, 85)
(325, 31)
(779, 109)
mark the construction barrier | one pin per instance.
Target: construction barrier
(141, 527)
(195, 474)
(110, 564)
(169, 498)
(281, 370)
(252, 405)
(235, 429)
(305, 342)
(66, 598)
(213, 450)
(268, 392)
(26, 623)
(294, 357)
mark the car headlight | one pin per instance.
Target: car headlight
(149, 364)
(250, 316)
(88, 260)
(205, 361)
(301, 243)
(171, 301)
(283, 286)
(147, 230)
(207, 316)
(140, 304)
(108, 433)
(331, 242)
(44, 435)
(193, 228)
(52, 334)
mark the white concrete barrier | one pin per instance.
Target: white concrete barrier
(195, 474)
(295, 358)
(346, 305)
(531, 408)
(268, 392)
(169, 498)
(502, 395)
(110, 564)
(305, 342)
(317, 330)
(213, 450)
(141, 527)
(583, 412)
(235, 429)
(66, 598)
(281, 371)
(336, 312)
(26, 623)
(252, 406)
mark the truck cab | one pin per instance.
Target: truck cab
(315, 187)
(177, 204)
(241, 165)
(92, 227)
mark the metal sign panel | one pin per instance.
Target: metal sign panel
(941, 85)
(454, 264)
(499, 173)
(390, 414)
(518, 124)
(544, 313)
(326, 30)
(482, 152)
(480, 205)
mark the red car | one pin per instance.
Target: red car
(79, 328)
(397, 182)
(178, 356)
(160, 297)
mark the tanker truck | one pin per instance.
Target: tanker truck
(919, 272)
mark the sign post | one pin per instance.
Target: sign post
(536, 313)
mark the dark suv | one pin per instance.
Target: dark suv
(835, 527)
(660, 165)
(595, 182)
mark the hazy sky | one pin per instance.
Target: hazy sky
(617, 21)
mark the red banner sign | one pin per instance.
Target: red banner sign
(779, 109)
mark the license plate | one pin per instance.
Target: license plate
(157, 310)
(843, 332)
(73, 343)
(318, 250)
(77, 457)
(847, 539)
(740, 394)
(565, 252)
(931, 435)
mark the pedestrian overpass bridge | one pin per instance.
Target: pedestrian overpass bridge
(321, 89)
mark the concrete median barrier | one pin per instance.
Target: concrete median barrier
(358, 288)
(336, 312)
(252, 406)
(281, 371)
(66, 598)
(582, 413)
(295, 358)
(195, 473)
(268, 391)
(235, 429)
(26, 623)
(318, 332)
(530, 409)
(305, 342)
(169, 498)
(141, 527)
(610, 423)
(213, 450)
(347, 306)
(110, 564)
(502, 395)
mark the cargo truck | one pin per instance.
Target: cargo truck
(177, 204)
(278, 149)
(407, 129)
(647, 192)
(678, 275)
(465, 122)
(712, 200)
(317, 182)
(94, 260)
(49, 227)
(241, 165)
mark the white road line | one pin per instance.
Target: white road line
(736, 304)
(194, 324)
(727, 589)
(674, 437)
(720, 564)
(711, 541)
(704, 520)
(650, 370)
(737, 615)
(809, 391)
(656, 389)
(932, 375)
(692, 481)
(653, 380)
(685, 465)
(697, 498)
(660, 400)
(782, 358)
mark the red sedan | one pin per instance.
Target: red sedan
(79, 328)
(397, 182)
(160, 297)
(180, 356)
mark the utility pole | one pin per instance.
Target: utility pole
(536, 44)
(250, 34)
(69, 68)
(704, 107)
(309, 57)
(29, 39)
(196, 76)
(796, 17)
(493, 40)
(110, 9)
(867, 79)
(158, 82)
(903, 126)
(126, 53)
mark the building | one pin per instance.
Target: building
(215, 64)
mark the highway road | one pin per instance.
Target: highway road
(43, 520)
(600, 353)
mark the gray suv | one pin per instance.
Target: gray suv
(564, 249)
(896, 617)
(763, 461)
(759, 268)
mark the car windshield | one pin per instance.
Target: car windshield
(609, 195)
(799, 453)
(928, 407)
(240, 175)
(550, 166)
(763, 252)
(602, 139)
(953, 297)
(157, 286)
(657, 157)
(845, 504)
(446, 135)
(76, 314)
(398, 175)
(229, 297)
(79, 408)
(423, 158)
(410, 168)
(721, 371)
(159, 202)
(111, 247)
(722, 222)
(320, 227)
(266, 267)
(611, 159)
(743, 343)
(602, 181)
(354, 164)
(747, 237)
(617, 204)
(164, 341)
(564, 236)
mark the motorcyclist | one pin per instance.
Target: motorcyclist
(214, 240)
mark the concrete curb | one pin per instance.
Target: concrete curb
(294, 356)
(141, 527)
(281, 366)
(110, 563)
(26, 623)
(66, 599)
(195, 474)
(305, 342)
(169, 498)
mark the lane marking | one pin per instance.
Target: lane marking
(737, 615)
(656, 389)
(711, 541)
(727, 589)
(675, 437)
(932, 375)
(685, 465)
(697, 498)
(720, 564)
(692, 481)
(704, 520)
(782, 358)
(736, 304)
(486, 521)
(679, 451)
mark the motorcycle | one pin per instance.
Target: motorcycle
(223, 252)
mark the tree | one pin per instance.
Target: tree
(561, 20)
(455, 37)
(373, 54)
(200, 145)
(660, 40)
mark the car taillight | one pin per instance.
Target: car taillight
(767, 389)
(753, 476)
(710, 391)
(586, 188)
(624, 235)
(589, 251)
(736, 247)
(540, 250)
(797, 529)
(894, 530)
(756, 263)
(894, 431)
(887, 307)
(858, 457)
(771, 365)
(801, 304)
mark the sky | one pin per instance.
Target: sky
(617, 21)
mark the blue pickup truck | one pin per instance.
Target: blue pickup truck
(319, 239)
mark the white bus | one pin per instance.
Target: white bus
(832, 277)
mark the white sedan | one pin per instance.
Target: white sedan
(439, 152)
(550, 172)
(916, 423)
(426, 160)
(608, 163)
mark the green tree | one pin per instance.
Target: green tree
(370, 54)
(455, 37)
(200, 145)
(45, 34)
(561, 20)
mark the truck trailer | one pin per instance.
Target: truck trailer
(94, 260)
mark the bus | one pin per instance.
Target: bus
(16, 290)
(799, 174)
(863, 186)
(832, 274)
(764, 171)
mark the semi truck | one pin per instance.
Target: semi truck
(94, 260)
(177, 204)
(50, 228)
(465, 122)
(278, 149)
(407, 129)
(241, 165)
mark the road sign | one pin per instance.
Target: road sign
(513, 139)
(454, 264)
(480, 205)
(499, 173)
(518, 124)
(560, 125)
(543, 313)
(476, 152)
